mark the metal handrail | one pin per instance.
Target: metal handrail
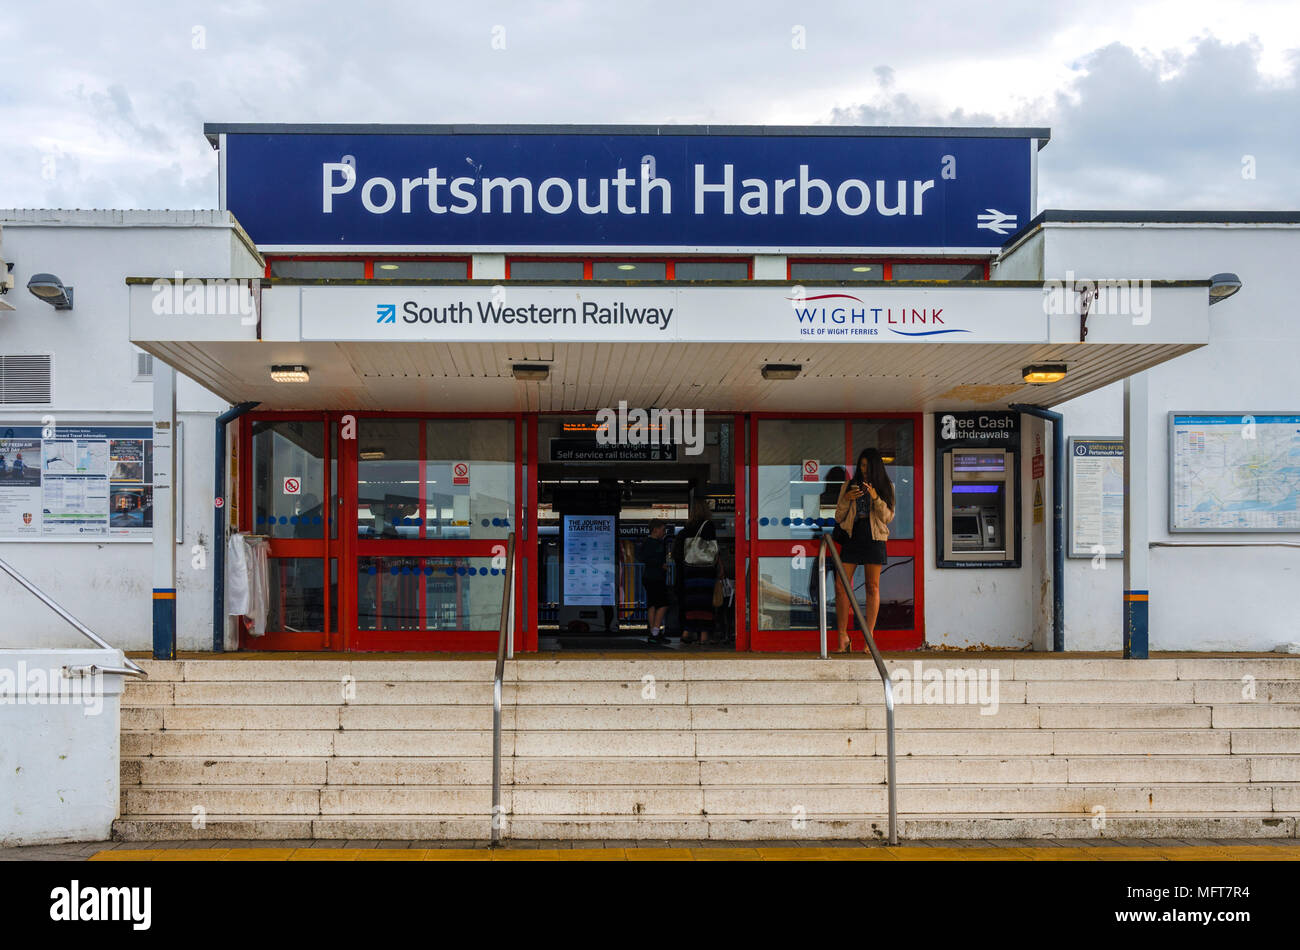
(505, 644)
(847, 581)
(131, 668)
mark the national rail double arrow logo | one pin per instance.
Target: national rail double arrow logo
(997, 221)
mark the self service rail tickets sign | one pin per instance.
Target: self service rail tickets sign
(498, 191)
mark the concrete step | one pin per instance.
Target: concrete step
(690, 827)
(749, 771)
(747, 749)
(735, 800)
(707, 717)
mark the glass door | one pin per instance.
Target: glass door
(434, 501)
(290, 467)
(797, 467)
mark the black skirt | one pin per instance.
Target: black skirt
(861, 548)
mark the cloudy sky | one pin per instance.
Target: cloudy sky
(1167, 104)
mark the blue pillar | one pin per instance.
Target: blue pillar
(1137, 524)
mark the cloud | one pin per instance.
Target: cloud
(108, 111)
(1137, 130)
(1143, 131)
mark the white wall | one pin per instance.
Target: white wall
(108, 584)
(1218, 598)
(995, 607)
(59, 769)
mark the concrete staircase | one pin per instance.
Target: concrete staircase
(683, 748)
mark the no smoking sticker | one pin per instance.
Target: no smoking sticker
(811, 470)
(460, 473)
(292, 486)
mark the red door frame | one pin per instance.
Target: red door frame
(807, 640)
(346, 548)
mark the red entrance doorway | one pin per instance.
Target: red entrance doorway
(387, 531)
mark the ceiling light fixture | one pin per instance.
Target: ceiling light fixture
(1044, 373)
(782, 370)
(290, 373)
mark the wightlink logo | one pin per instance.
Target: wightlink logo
(831, 315)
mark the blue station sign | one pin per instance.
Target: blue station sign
(477, 187)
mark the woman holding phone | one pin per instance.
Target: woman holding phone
(862, 515)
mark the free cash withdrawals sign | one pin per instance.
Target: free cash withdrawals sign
(667, 314)
(553, 189)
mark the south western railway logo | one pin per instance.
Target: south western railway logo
(826, 315)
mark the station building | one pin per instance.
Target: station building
(436, 338)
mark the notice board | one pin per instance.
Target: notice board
(76, 482)
(1096, 496)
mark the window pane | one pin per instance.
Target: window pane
(893, 438)
(937, 271)
(629, 270)
(788, 506)
(388, 593)
(388, 479)
(463, 593)
(711, 270)
(813, 270)
(297, 594)
(354, 270)
(288, 478)
(546, 270)
(469, 478)
(459, 593)
(397, 270)
(788, 592)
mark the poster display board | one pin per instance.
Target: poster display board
(71, 482)
(1234, 472)
(588, 560)
(1096, 496)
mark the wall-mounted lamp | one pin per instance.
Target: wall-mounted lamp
(1223, 286)
(290, 374)
(49, 288)
(1044, 373)
(531, 371)
(782, 370)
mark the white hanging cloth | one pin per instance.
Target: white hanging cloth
(248, 588)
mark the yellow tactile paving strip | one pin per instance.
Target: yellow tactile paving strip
(901, 853)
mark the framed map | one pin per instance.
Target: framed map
(1234, 471)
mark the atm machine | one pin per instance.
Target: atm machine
(978, 498)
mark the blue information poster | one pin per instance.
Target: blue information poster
(588, 560)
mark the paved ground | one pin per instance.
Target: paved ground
(1111, 849)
